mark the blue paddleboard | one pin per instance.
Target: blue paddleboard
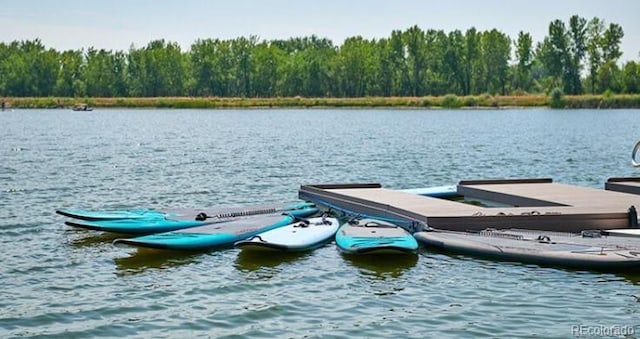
(140, 226)
(371, 236)
(216, 235)
(163, 222)
(181, 213)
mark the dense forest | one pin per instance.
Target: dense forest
(578, 57)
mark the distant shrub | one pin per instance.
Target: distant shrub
(470, 101)
(450, 101)
(557, 98)
(607, 94)
(426, 102)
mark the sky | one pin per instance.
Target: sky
(119, 24)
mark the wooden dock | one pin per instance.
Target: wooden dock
(538, 204)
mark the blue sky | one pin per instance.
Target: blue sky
(116, 24)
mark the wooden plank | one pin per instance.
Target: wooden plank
(567, 198)
(505, 181)
(624, 179)
(629, 185)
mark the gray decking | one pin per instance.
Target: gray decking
(537, 204)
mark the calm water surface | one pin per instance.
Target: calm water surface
(63, 282)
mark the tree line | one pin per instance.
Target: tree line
(577, 56)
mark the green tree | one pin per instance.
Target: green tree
(609, 77)
(595, 28)
(524, 56)
(353, 67)
(631, 77)
(99, 74)
(454, 64)
(241, 51)
(553, 53)
(496, 51)
(71, 68)
(576, 51)
(212, 67)
(472, 64)
(611, 42)
(386, 70)
(268, 61)
(414, 39)
(29, 69)
(438, 75)
(397, 58)
(159, 69)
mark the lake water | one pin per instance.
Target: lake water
(63, 282)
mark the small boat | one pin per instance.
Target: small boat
(373, 236)
(82, 107)
(301, 235)
(587, 250)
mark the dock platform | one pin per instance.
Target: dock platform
(537, 204)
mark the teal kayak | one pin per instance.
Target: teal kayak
(181, 213)
(371, 236)
(216, 235)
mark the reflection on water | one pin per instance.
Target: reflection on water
(249, 261)
(383, 266)
(90, 238)
(143, 258)
(632, 276)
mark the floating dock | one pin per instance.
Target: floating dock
(535, 204)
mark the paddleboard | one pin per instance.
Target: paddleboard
(301, 235)
(589, 250)
(434, 192)
(189, 214)
(141, 226)
(372, 236)
(159, 224)
(214, 235)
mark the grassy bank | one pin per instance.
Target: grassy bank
(447, 101)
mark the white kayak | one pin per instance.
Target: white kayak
(302, 235)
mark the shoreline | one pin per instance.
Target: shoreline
(440, 102)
